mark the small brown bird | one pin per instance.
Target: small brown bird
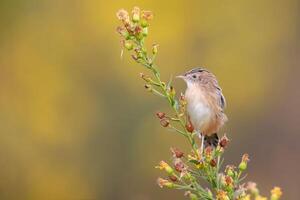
(205, 104)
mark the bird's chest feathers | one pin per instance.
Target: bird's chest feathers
(197, 106)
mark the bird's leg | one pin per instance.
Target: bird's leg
(201, 137)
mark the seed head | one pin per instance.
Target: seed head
(224, 141)
(189, 127)
(161, 115)
(177, 153)
(164, 122)
(122, 15)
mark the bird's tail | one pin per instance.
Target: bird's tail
(211, 140)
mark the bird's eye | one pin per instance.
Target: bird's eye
(194, 76)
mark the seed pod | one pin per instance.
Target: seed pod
(177, 153)
(160, 115)
(213, 162)
(173, 178)
(164, 122)
(189, 127)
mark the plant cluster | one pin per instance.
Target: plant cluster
(199, 173)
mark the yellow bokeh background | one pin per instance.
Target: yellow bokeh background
(76, 123)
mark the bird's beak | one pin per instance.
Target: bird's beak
(181, 76)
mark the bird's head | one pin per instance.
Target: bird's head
(197, 75)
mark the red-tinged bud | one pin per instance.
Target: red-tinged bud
(177, 153)
(228, 180)
(161, 115)
(208, 151)
(213, 162)
(147, 15)
(165, 122)
(224, 141)
(173, 178)
(189, 127)
(179, 165)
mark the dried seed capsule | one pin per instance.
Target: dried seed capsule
(160, 115)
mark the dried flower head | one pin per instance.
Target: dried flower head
(189, 127)
(161, 115)
(179, 165)
(245, 158)
(122, 15)
(173, 178)
(164, 183)
(177, 153)
(164, 122)
(276, 193)
(224, 141)
(213, 162)
(222, 195)
(147, 15)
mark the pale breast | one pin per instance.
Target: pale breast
(198, 109)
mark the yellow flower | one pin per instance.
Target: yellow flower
(222, 195)
(247, 197)
(165, 166)
(276, 193)
(260, 198)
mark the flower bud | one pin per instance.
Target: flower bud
(144, 23)
(222, 195)
(164, 183)
(189, 127)
(123, 15)
(179, 165)
(177, 153)
(243, 166)
(276, 193)
(173, 178)
(228, 180)
(128, 45)
(230, 173)
(136, 14)
(164, 166)
(145, 31)
(172, 91)
(251, 187)
(148, 87)
(164, 122)
(160, 115)
(154, 49)
(224, 141)
(213, 162)
(147, 15)
(193, 196)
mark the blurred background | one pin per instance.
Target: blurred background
(76, 123)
